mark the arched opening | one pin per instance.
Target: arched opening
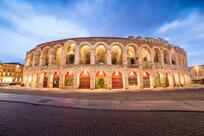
(173, 61)
(56, 78)
(167, 80)
(157, 55)
(101, 80)
(158, 80)
(69, 79)
(117, 80)
(57, 55)
(85, 54)
(84, 80)
(70, 54)
(145, 54)
(100, 54)
(116, 55)
(146, 80)
(166, 57)
(132, 56)
(37, 58)
(132, 78)
(45, 57)
(45, 80)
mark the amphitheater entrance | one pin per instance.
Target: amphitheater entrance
(69, 79)
(84, 80)
(45, 80)
(101, 80)
(56, 80)
(132, 79)
(167, 80)
(117, 80)
(158, 80)
(146, 80)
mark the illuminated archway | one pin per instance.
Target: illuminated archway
(37, 58)
(85, 54)
(158, 80)
(145, 54)
(69, 79)
(117, 80)
(157, 55)
(132, 55)
(132, 78)
(45, 60)
(166, 57)
(100, 54)
(70, 53)
(56, 78)
(116, 55)
(45, 80)
(57, 55)
(146, 80)
(101, 80)
(84, 80)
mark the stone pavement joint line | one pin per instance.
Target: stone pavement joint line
(190, 105)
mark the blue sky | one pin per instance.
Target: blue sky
(24, 24)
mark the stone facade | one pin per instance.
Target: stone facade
(106, 63)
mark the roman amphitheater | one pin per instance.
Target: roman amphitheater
(106, 63)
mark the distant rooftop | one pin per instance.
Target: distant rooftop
(13, 63)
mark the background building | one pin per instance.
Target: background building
(11, 73)
(197, 74)
(106, 63)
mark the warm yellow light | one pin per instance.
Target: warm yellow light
(131, 73)
(116, 73)
(85, 72)
(100, 73)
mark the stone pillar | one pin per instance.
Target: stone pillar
(170, 58)
(109, 74)
(92, 80)
(109, 56)
(41, 59)
(125, 80)
(63, 59)
(76, 79)
(61, 80)
(76, 59)
(152, 80)
(41, 77)
(140, 58)
(92, 56)
(162, 59)
(124, 58)
(140, 81)
(50, 57)
(50, 80)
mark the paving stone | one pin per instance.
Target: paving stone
(18, 119)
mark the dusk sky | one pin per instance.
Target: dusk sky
(24, 24)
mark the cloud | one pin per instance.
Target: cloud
(188, 32)
(28, 27)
